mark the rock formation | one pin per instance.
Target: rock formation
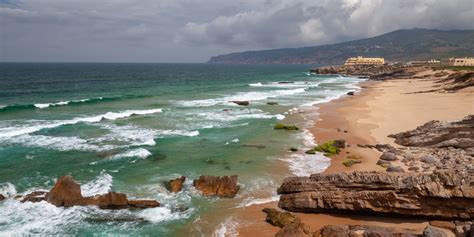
(176, 185)
(440, 195)
(225, 186)
(66, 192)
(457, 134)
(361, 230)
(291, 226)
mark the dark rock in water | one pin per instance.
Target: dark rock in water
(286, 82)
(2, 197)
(395, 169)
(340, 143)
(443, 224)
(241, 102)
(430, 231)
(254, 146)
(36, 196)
(388, 156)
(176, 185)
(278, 218)
(293, 149)
(446, 194)
(225, 186)
(66, 192)
(428, 159)
(280, 126)
(295, 229)
(457, 134)
(350, 93)
(272, 103)
(310, 152)
(360, 230)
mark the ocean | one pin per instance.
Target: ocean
(131, 127)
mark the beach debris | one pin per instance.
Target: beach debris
(224, 186)
(241, 102)
(272, 103)
(364, 230)
(176, 185)
(280, 126)
(66, 193)
(443, 194)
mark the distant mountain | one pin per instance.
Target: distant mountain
(400, 45)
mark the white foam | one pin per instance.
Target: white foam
(256, 84)
(257, 201)
(234, 115)
(160, 214)
(46, 105)
(228, 228)
(308, 138)
(138, 152)
(7, 130)
(101, 185)
(58, 143)
(280, 116)
(7, 189)
(305, 165)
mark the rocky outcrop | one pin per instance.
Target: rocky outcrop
(225, 186)
(176, 185)
(457, 134)
(362, 230)
(241, 102)
(440, 195)
(291, 226)
(378, 72)
(66, 193)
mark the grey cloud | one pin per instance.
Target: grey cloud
(193, 30)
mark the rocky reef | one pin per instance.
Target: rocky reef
(176, 185)
(66, 193)
(225, 186)
(440, 195)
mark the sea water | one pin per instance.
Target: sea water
(131, 127)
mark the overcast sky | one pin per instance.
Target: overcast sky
(194, 30)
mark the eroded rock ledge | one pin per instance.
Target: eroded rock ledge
(440, 195)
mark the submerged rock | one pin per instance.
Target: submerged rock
(66, 193)
(225, 186)
(176, 185)
(272, 103)
(293, 149)
(241, 102)
(444, 194)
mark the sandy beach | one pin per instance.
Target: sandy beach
(379, 109)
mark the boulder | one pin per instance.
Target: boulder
(361, 230)
(428, 159)
(225, 186)
(278, 218)
(66, 192)
(176, 185)
(395, 169)
(388, 156)
(350, 93)
(430, 231)
(272, 103)
(2, 197)
(241, 102)
(384, 163)
(295, 229)
(444, 194)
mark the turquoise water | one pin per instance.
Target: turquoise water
(131, 127)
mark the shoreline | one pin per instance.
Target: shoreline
(380, 108)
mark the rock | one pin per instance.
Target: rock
(280, 126)
(295, 229)
(143, 203)
(2, 197)
(445, 194)
(176, 185)
(414, 168)
(327, 148)
(360, 230)
(66, 192)
(457, 134)
(310, 152)
(395, 169)
(36, 196)
(428, 159)
(384, 163)
(293, 149)
(388, 156)
(350, 93)
(350, 162)
(278, 218)
(241, 102)
(254, 146)
(111, 200)
(225, 186)
(340, 143)
(430, 231)
(443, 224)
(272, 103)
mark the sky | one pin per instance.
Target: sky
(194, 30)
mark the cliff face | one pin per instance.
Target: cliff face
(440, 195)
(400, 45)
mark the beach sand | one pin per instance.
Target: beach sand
(380, 109)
